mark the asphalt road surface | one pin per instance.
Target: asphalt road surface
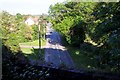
(56, 55)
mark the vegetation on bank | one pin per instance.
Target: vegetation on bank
(92, 32)
(94, 28)
(17, 67)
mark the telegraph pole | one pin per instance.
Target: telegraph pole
(39, 37)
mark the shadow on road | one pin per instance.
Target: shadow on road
(58, 58)
(35, 55)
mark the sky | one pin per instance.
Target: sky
(34, 7)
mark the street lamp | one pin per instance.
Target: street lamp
(39, 37)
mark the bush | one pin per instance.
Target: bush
(89, 49)
(35, 32)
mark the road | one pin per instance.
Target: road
(56, 55)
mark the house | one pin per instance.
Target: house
(32, 20)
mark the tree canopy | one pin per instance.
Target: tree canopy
(94, 23)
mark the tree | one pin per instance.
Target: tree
(70, 17)
(9, 30)
(94, 23)
(14, 30)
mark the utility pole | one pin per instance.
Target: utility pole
(39, 37)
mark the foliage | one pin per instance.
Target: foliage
(94, 23)
(16, 67)
(9, 31)
(70, 18)
(107, 21)
(35, 32)
(15, 31)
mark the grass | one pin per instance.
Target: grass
(32, 53)
(27, 50)
(80, 59)
(34, 43)
(84, 62)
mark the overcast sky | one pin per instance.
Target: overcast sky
(27, 6)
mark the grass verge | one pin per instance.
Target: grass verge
(33, 54)
(80, 59)
(34, 43)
